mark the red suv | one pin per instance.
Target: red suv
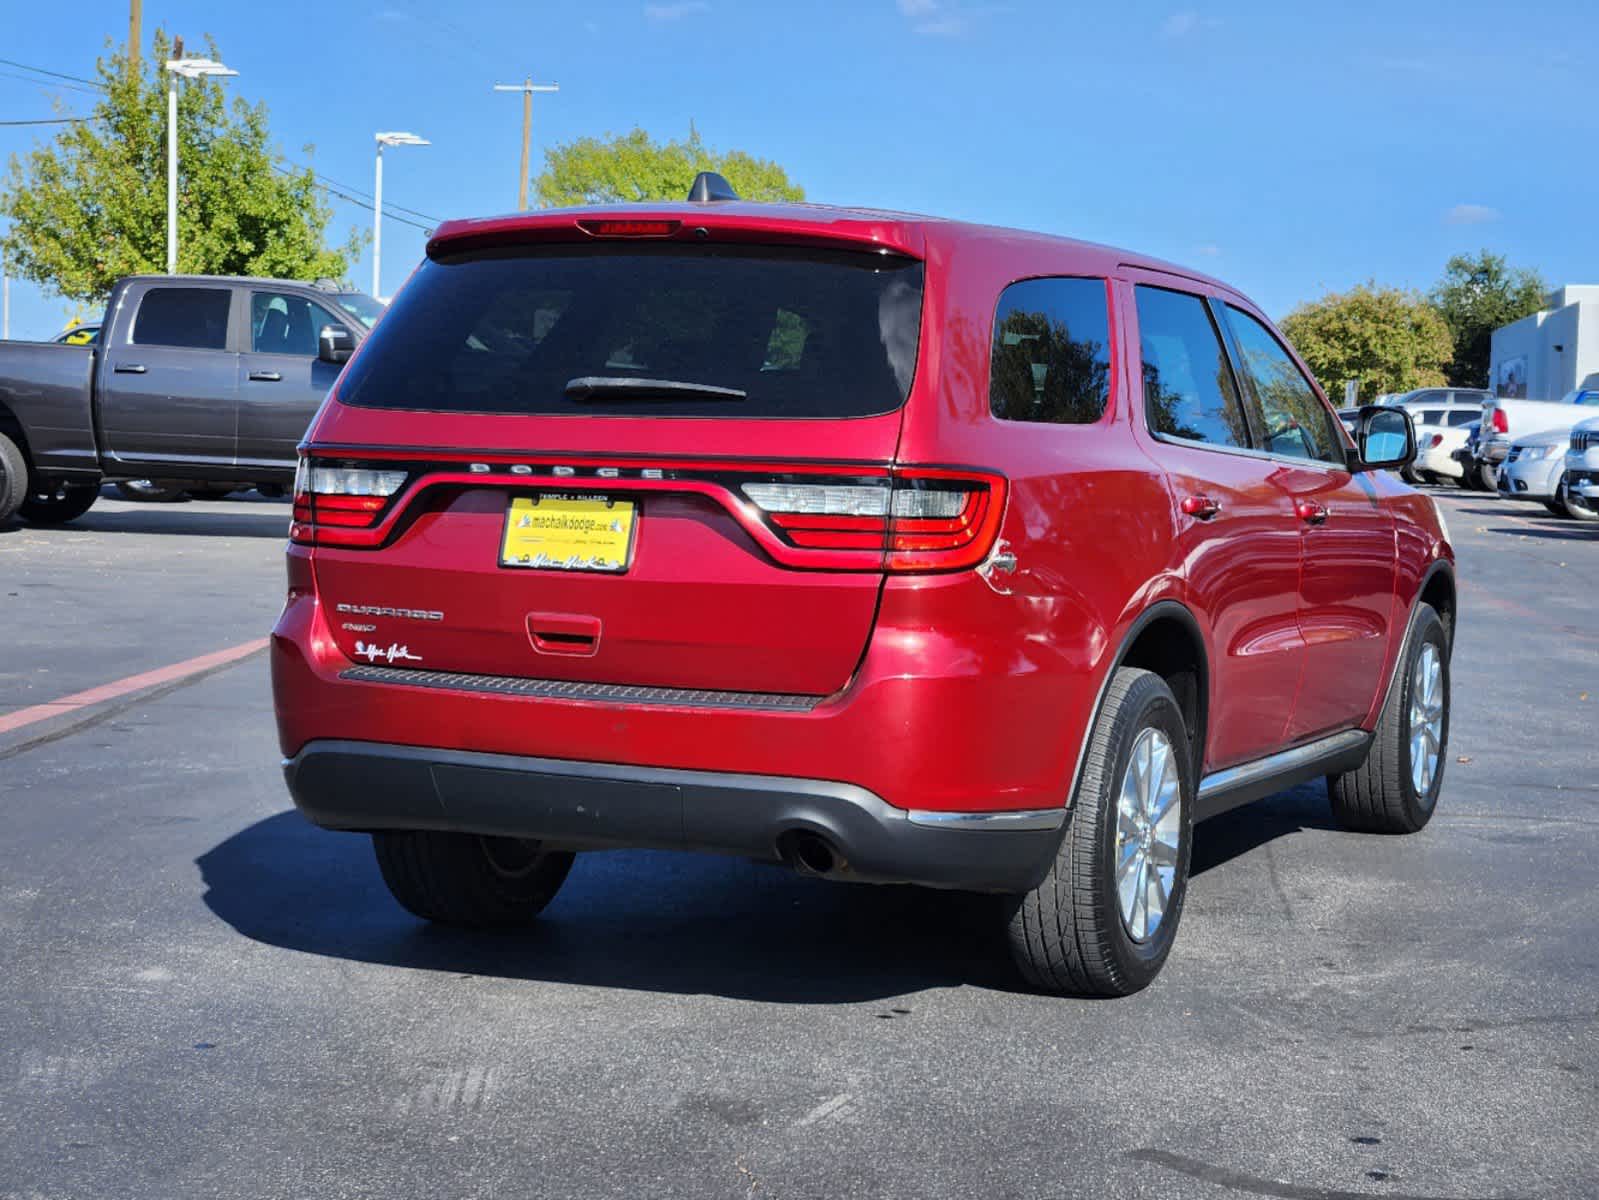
(891, 548)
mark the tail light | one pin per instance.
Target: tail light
(922, 520)
(329, 496)
(1501, 421)
(1436, 440)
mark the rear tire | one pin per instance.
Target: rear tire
(1393, 792)
(464, 879)
(1077, 932)
(58, 503)
(13, 478)
(1555, 507)
(1487, 478)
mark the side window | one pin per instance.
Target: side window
(1293, 420)
(1465, 416)
(283, 324)
(1188, 386)
(193, 318)
(1051, 356)
(1432, 416)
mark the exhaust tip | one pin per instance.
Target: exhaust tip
(809, 853)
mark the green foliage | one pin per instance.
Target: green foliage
(1389, 339)
(1477, 295)
(90, 207)
(633, 166)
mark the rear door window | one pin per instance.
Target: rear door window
(1465, 416)
(1189, 391)
(190, 317)
(1051, 355)
(800, 332)
(1292, 419)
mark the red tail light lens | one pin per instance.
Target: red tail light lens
(1436, 440)
(1501, 421)
(333, 495)
(922, 520)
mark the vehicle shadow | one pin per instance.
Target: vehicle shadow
(644, 920)
(185, 520)
(1568, 532)
(665, 922)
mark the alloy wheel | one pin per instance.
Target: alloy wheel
(1148, 827)
(1426, 719)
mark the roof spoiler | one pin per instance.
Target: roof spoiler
(709, 186)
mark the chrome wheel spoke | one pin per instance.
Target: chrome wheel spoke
(1148, 829)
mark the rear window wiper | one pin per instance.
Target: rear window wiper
(607, 387)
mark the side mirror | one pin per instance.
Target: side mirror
(334, 344)
(1385, 439)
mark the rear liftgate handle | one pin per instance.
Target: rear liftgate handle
(564, 633)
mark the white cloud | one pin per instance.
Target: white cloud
(1181, 24)
(937, 18)
(918, 8)
(1471, 214)
(674, 11)
(1208, 250)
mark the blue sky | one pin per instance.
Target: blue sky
(1288, 148)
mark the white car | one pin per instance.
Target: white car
(1534, 468)
(1436, 447)
(1506, 419)
(1582, 466)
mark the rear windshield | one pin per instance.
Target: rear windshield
(802, 333)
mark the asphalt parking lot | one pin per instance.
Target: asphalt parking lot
(202, 995)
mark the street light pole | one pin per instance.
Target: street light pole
(188, 68)
(527, 87)
(384, 139)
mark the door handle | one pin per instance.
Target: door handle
(1201, 508)
(1311, 513)
(266, 376)
(128, 368)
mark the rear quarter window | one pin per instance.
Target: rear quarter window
(1050, 360)
(801, 332)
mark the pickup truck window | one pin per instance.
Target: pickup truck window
(284, 324)
(193, 318)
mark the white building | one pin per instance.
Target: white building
(1546, 355)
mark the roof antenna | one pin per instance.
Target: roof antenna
(709, 186)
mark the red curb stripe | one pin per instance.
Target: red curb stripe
(133, 683)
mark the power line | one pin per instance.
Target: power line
(359, 203)
(66, 87)
(52, 121)
(388, 205)
(53, 74)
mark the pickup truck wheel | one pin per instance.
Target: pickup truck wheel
(464, 879)
(149, 491)
(1104, 918)
(1396, 789)
(58, 503)
(13, 478)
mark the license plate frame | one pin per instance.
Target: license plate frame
(529, 544)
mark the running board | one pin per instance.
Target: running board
(1225, 790)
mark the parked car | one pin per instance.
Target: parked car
(200, 382)
(1582, 465)
(843, 539)
(1438, 449)
(1535, 469)
(86, 334)
(1431, 416)
(1504, 419)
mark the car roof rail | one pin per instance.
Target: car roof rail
(709, 186)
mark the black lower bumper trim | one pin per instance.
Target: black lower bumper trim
(586, 806)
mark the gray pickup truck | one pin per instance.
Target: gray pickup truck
(195, 379)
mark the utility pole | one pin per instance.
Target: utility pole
(527, 87)
(136, 36)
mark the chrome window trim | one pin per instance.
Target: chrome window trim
(1249, 452)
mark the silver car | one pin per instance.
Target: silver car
(1535, 468)
(1582, 467)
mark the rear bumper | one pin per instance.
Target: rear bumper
(579, 805)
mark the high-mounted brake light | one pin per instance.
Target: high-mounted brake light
(339, 495)
(612, 227)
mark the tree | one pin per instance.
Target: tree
(1477, 295)
(634, 167)
(90, 207)
(1390, 340)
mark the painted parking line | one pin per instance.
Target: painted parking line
(123, 687)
